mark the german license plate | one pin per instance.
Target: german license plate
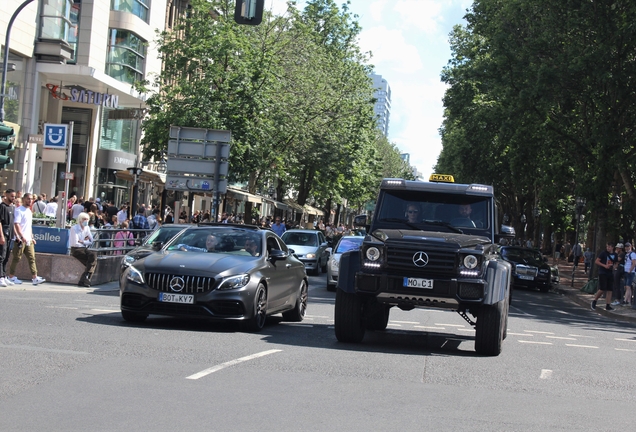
(176, 298)
(418, 283)
(526, 277)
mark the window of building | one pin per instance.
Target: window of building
(126, 56)
(55, 22)
(118, 133)
(135, 7)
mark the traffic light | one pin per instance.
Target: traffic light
(249, 12)
(6, 144)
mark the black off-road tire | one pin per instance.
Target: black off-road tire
(379, 320)
(297, 314)
(133, 316)
(257, 322)
(490, 329)
(349, 323)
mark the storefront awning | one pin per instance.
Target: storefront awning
(279, 205)
(313, 210)
(146, 176)
(294, 205)
(242, 195)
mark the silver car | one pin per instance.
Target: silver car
(345, 244)
(310, 247)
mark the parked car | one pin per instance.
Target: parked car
(310, 247)
(153, 242)
(219, 272)
(345, 244)
(529, 268)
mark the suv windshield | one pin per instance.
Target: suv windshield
(434, 211)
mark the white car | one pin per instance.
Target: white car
(345, 244)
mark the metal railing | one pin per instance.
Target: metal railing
(105, 238)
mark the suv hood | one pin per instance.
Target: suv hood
(431, 237)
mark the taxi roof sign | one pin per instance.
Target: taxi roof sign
(443, 178)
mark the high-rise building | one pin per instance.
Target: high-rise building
(78, 60)
(382, 106)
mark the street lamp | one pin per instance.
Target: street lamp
(580, 205)
(162, 166)
(135, 172)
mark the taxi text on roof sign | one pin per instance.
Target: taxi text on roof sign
(446, 178)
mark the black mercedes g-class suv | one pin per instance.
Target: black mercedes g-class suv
(429, 245)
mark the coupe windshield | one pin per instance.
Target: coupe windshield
(218, 240)
(435, 211)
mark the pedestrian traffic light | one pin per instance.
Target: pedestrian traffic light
(6, 144)
(249, 12)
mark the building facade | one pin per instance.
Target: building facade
(382, 107)
(76, 61)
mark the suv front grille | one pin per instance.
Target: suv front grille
(400, 261)
(192, 284)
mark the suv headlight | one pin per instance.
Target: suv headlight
(234, 282)
(470, 265)
(373, 256)
(135, 276)
(470, 261)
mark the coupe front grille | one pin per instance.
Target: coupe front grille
(527, 270)
(400, 261)
(191, 284)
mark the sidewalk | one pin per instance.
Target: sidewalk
(622, 313)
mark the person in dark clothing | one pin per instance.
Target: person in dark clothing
(605, 262)
(6, 233)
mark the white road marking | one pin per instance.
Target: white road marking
(467, 330)
(575, 335)
(538, 332)
(405, 322)
(559, 337)
(449, 325)
(520, 311)
(106, 310)
(316, 316)
(32, 348)
(623, 349)
(62, 307)
(430, 328)
(535, 342)
(562, 312)
(520, 334)
(581, 346)
(394, 325)
(625, 340)
(230, 363)
(545, 374)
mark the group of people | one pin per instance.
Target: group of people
(616, 270)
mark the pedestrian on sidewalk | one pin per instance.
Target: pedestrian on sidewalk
(24, 241)
(81, 239)
(577, 252)
(619, 269)
(630, 268)
(605, 262)
(588, 257)
(6, 234)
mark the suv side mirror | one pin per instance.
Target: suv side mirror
(360, 221)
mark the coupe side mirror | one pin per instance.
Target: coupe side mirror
(277, 254)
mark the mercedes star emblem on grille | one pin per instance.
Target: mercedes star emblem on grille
(177, 284)
(420, 259)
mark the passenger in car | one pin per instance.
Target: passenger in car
(210, 245)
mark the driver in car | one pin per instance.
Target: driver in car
(464, 219)
(210, 245)
(251, 246)
(413, 213)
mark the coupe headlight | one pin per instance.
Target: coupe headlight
(128, 260)
(311, 255)
(373, 253)
(135, 276)
(470, 261)
(234, 282)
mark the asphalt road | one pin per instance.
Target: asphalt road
(68, 362)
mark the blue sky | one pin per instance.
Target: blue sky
(408, 40)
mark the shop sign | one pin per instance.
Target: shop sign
(51, 240)
(85, 96)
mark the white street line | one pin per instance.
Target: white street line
(430, 328)
(105, 310)
(520, 334)
(32, 348)
(405, 322)
(545, 374)
(581, 346)
(623, 349)
(625, 340)
(559, 337)
(535, 342)
(394, 325)
(62, 307)
(230, 363)
(467, 330)
(449, 325)
(316, 316)
(562, 312)
(538, 332)
(575, 335)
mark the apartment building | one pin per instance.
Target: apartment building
(382, 107)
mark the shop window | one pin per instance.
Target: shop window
(117, 133)
(126, 56)
(135, 7)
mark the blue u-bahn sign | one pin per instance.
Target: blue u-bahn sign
(55, 135)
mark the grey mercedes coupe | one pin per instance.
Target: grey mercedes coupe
(218, 272)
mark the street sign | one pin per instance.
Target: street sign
(194, 184)
(36, 139)
(55, 135)
(204, 167)
(67, 175)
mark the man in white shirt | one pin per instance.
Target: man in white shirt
(80, 239)
(24, 241)
(51, 208)
(122, 214)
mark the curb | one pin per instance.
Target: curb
(576, 296)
